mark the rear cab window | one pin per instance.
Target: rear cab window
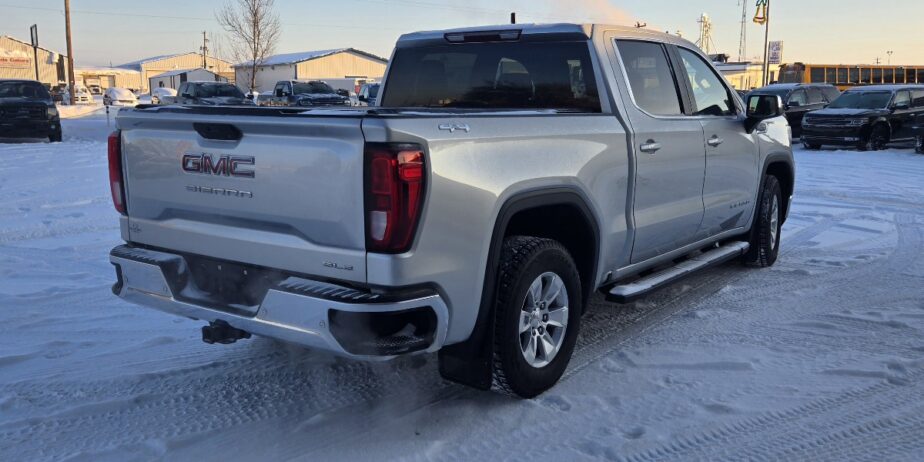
(494, 75)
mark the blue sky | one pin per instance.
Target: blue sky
(830, 31)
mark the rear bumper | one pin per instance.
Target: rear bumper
(339, 319)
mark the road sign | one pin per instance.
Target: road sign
(776, 53)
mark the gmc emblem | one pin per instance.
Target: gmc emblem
(224, 166)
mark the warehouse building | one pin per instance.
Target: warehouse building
(156, 65)
(106, 77)
(174, 79)
(340, 63)
(17, 61)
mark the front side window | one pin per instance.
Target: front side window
(709, 93)
(494, 75)
(815, 96)
(918, 98)
(650, 77)
(798, 98)
(902, 98)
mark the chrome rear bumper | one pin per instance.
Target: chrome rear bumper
(338, 319)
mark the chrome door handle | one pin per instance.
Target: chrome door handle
(715, 141)
(650, 147)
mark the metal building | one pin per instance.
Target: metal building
(17, 61)
(174, 79)
(340, 63)
(107, 77)
(156, 65)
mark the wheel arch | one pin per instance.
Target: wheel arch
(469, 362)
(781, 167)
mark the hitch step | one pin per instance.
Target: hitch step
(625, 293)
(222, 332)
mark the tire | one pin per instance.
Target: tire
(919, 145)
(877, 140)
(811, 146)
(765, 236)
(55, 137)
(530, 263)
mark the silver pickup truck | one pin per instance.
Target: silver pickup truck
(504, 176)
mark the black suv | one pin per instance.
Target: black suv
(800, 99)
(211, 94)
(867, 117)
(27, 111)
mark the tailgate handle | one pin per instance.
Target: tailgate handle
(221, 132)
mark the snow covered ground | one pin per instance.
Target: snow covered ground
(818, 358)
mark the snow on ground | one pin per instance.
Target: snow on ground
(818, 358)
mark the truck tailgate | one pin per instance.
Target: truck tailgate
(288, 194)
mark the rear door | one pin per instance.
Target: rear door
(287, 194)
(903, 115)
(669, 152)
(731, 153)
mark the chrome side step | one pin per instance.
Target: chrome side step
(625, 293)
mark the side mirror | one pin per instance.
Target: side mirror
(763, 107)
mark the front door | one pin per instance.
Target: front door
(669, 152)
(903, 115)
(732, 155)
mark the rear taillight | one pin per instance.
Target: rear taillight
(395, 180)
(116, 184)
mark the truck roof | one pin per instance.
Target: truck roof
(540, 32)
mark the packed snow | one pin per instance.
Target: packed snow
(818, 358)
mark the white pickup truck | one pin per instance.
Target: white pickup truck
(504, 176)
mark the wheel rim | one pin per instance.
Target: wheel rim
(774, 221)
(543, 320)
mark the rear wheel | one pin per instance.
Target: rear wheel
(877, 140)
(765, 235)
(919, 145)
(537, 316)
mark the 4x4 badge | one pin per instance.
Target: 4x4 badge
(452, 127)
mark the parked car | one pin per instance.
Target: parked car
(95, 89)
(305, 94)
(58, 92)
(115, 96)
(473, 212)
(867, 117)
(27, 111)
(81, 96)
(367, 94)
(211, 94)
(800, 99)
(163, 95)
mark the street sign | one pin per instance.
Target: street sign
(776, 53)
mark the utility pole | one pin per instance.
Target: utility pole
(513, 17)
(70, 50)
(766, 22)
(743, 41)
(205, 50)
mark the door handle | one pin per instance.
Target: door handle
(650, 147)
(715, 141)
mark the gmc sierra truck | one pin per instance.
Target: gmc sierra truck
(504, 176)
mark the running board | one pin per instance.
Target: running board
(625, 293)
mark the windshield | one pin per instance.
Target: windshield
(862, 100)
(494, 75)
(219, 90)
(23, 90)
(311, 87)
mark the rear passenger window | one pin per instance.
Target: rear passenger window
(918, 96)
(650, 77)
(710, 94)
(798, 97)
(815, 96)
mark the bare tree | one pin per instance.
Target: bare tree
(253, 28)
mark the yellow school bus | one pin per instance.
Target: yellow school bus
(845, 76)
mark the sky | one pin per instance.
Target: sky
(813, 31)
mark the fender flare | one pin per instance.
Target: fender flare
(470, 362)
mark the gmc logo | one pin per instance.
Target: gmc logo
(224, 166)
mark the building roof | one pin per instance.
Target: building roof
(104, 70)
(137, 64)
(29, 44)
(294, 58)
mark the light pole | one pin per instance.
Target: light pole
(762, 17)
(890, 56)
